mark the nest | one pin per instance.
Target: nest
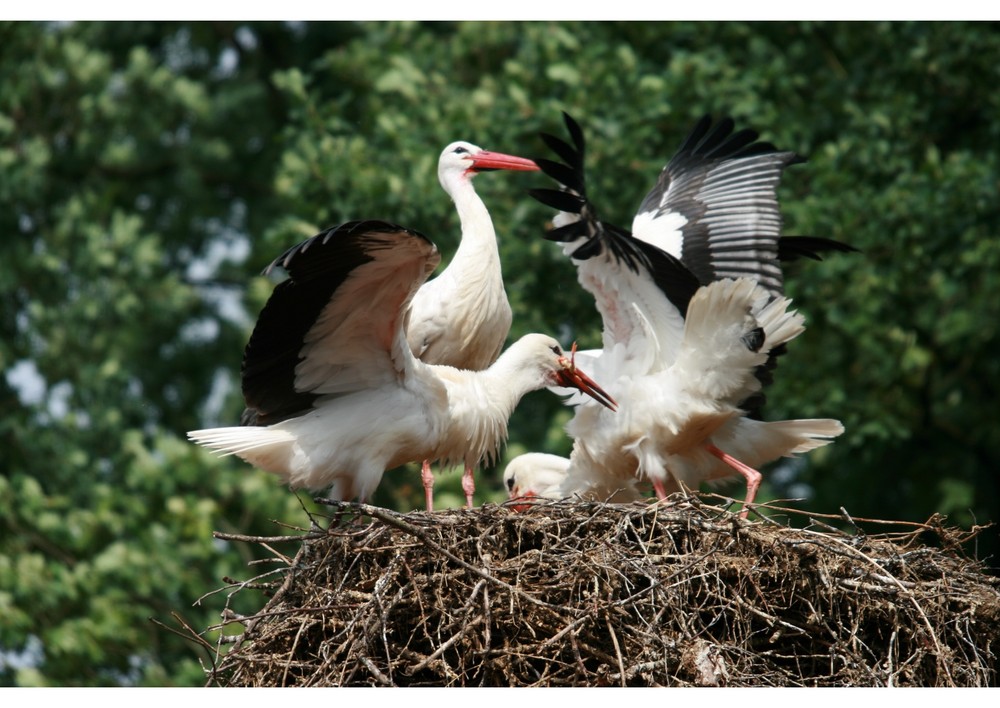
(677, 593)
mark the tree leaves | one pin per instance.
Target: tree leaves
(132, 154)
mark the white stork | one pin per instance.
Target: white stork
(334, 394)
(673, 422)
(713, 214)
(541, 475)
(461, 318)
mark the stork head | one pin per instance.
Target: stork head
(569, 375)
(535, 475)
(517, 490)
(465, 160)
(542, 354)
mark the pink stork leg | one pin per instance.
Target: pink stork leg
(427, 477)
(468, 486)
(753, 477)
(661, 491)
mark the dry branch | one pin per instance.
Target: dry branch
(578, 594)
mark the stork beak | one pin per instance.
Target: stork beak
(485, 161)
(569, 375)
(525, 504)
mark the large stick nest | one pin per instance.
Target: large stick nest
(583, 594)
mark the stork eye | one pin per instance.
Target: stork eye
(460, 150)
(556, 350)
(510, 484)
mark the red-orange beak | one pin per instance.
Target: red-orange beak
(569, 375)
(486, 160)
(522, 507)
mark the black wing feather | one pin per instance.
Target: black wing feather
(791, 248)
(671, 276)
(560, 147)
(730, 208)
(714, 247)
(316, 267)
(563, 201)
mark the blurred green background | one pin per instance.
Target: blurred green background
(149, 171)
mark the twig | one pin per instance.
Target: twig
(618, 650)
(390, 519)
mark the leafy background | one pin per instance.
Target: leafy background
(148, 171)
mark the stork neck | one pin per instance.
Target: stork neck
(493, 392)
(479, 239)
(509, 379)
(480, 404)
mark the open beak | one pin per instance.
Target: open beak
(569, 375)
(486, 160)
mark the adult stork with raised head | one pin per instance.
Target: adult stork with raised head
(712, 217)
(334, 394)
(461, 318)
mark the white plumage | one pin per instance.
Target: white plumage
(678, 328)
(684, 424)
(462, 317)
(334, 394)
(541, 475)
(535, 474)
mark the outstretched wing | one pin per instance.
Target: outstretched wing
(336, 325)
(715, 205)
(641, 292)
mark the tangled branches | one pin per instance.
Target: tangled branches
(585, 594)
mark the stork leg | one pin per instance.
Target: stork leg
(427, 477)
(661, 491)
(468, 486)
(752, 476)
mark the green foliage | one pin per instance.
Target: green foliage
(148, 171)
